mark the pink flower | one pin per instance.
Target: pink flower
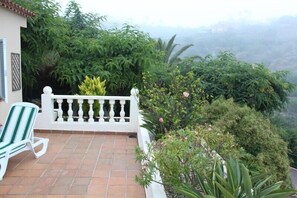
(161, 120)
(186, 94)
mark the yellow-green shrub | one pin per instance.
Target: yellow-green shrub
(92, 87)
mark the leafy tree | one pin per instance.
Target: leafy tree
(119, 56)
(168, 48)
(86, 24)
(40, 42)
(251, 84)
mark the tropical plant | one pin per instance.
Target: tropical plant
(168, 48)
(233, 180)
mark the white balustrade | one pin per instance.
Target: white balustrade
(70, 111)
(78, 112)
(60, 111)
(111, 112)
(91, 112)
(122, 112)
(101, 111)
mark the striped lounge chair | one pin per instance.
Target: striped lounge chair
(16, 134)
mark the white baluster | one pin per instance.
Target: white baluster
(101, 111)
(70, 111)
(91, 111)
(111, 112)
(60, 111)
(80, 110)
(122, 113)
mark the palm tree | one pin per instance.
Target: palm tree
(168, 49)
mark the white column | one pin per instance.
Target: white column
(122, 112)
(47, 115)
(111, 112)
(60, 111)
(101, 111)
(134, 110)
(80, 110)
(91, 111)
(70, 111)
(47, 104)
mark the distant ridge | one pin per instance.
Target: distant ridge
(274, 44)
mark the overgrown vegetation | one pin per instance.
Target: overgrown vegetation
(251, 84)
(180, 152)
(67, 48)
(254, 133)
(172, 106)
(193, 106)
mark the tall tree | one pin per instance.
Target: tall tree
(82, 23)
(251, 84)
(41, 41)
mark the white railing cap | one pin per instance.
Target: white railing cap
(47, 90)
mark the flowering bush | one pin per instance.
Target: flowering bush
(171, 106)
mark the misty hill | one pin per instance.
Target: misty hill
(274, 44)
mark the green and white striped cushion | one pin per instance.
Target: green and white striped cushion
(18, 125)
(4, 145)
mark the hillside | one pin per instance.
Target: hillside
(274, 44)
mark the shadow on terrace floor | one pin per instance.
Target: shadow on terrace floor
(76, 165)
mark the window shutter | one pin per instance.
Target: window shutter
(2, 74)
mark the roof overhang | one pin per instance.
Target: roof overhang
(16, 8)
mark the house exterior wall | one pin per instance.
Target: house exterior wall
(10, 27)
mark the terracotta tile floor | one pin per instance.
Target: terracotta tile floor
(75, 166)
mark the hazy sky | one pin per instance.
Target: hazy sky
(186, 13)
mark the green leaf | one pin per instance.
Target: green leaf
(246, 179)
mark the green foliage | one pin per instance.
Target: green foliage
(40, 41)
(286, 121)
(180, 152)
(127, 53)
(232, 179)
(81, 23)
(92, 87)
(65, 49)
(119, 55)
(171, 106)
(246, 83)
(253, 132)
(168, 48)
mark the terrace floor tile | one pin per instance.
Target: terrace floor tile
(76, 165)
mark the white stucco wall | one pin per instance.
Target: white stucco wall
(10, 24)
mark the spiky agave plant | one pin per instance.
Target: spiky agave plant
(232, 180)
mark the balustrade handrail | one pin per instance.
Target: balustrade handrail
(66, 112)
(84, 97)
